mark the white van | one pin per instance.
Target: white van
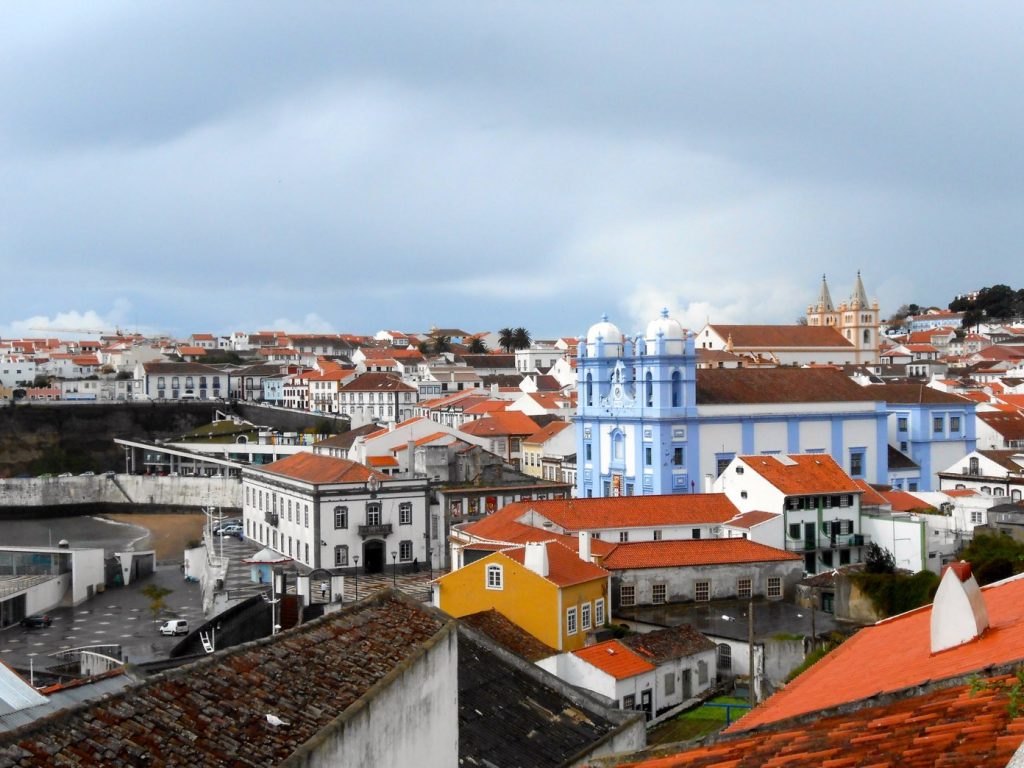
(174, 627)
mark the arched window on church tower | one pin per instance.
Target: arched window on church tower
(590, 389)
(677, 389)
(867, 336)
(618, 446)
(649, 389)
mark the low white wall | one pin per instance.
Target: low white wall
(140, 489)
(48, 595)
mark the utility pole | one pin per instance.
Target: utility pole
(750, 644)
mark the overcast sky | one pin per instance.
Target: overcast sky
(349, 167)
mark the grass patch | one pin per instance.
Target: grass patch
(695, 724)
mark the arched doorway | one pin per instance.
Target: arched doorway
(373, 556)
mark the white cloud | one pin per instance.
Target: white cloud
(311, 323)
(74, 324)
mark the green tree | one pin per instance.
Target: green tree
(477, 346)
(994, 557)
(157, 598)
(879, 560)
(441, 343)
(971, 318)
(506, 339)
(521, 338)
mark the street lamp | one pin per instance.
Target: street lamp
(355, 559)
(394, 569)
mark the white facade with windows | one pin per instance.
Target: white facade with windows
(367, 526)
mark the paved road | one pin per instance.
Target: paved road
(121, 615)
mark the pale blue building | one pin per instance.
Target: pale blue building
(650, 422)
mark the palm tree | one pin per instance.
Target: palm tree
(521, 338)
(505, 339)
(477, 346)
(441, 343)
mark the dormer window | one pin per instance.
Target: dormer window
(739, 470)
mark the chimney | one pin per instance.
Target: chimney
(958, 613)
(585, 546)
(709, 482)
(535, 557)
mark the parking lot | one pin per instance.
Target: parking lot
(120, 615)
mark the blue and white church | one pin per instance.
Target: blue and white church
(649, 422)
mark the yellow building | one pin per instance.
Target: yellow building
(545, 588)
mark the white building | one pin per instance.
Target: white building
(334, 513)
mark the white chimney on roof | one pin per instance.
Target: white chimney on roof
(535, 557)
(585, 546)
(958, 613)
(709, 483)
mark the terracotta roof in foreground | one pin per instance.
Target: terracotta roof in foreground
(509, 635)
(214, 710)
(897, 654)
(317, 468)
(669, 553)
(949, 726)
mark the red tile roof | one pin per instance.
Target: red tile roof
(501, 424)
(901, 501)
(316, 468)
(615, 659)
(508, 635)
(630, 511)
(424, 440)
(895, 654)
(870, 497)
(775, 337)
(1009, 425)
(382, 461)
(733, 386)
(809, 473)
(565, 568)
(691, 552)
(376, 382)
(547, 432)
(949, 726)
(502, 527)
(750, 519)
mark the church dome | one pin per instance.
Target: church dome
(669, 329)
(609, 334)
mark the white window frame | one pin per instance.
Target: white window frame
(571, 625)
(659, 594)
(599, 612)
(494, 577)
(627, 589)
(702, 586)
(774, 586)
(744, 594)
(585, 617)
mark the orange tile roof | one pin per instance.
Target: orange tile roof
(809, 473)
(194, 351)
(545, 433)
(1008, 424)
(630, 511)
(501, 424)
(961, 492)
(950, 726)
(750, 519)
(901, 501)
(423, 441)
(782, 336)
(399, 425)
(316, 468)
(615, 659)
(382, 461)
(501, 526)
(895, 654)
(871, 497)
(487, 406)
(565, 568)
(671, 553)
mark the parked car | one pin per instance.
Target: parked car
(109, 473)
(65, 474)
(229, 530)
(174, 627)
(37, 621)
(87, 474)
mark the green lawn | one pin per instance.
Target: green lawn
(696, 723)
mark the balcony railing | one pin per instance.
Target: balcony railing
(270, 518)
(840, 541)
(383, 529)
